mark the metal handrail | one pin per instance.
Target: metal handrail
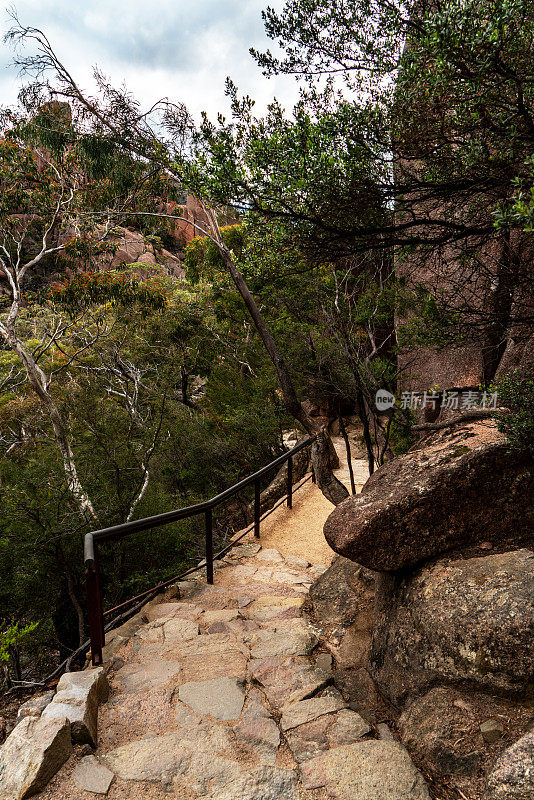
(94, 538)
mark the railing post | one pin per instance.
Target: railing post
(290, 482)
(94, 609)
(209, 546)
(257, 509)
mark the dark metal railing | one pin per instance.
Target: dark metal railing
(93, 540)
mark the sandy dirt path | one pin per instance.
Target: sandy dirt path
(299, 531)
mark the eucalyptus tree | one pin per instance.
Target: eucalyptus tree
(55, 184)
(54, 181)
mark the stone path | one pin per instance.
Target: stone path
(221, 694)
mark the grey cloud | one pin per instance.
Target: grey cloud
(177, 39)
(155, 35)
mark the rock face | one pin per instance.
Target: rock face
(512, 778)
(336, 594)
(31, 755)
(343, 600)
(343, 605)
(455, 494)
(457, 621)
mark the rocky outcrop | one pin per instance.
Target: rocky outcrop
(131, 247)
(457, 621)
(466, 489)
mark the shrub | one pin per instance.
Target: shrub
(516, 394)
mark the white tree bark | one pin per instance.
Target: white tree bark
(37, 379)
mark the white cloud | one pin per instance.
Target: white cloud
(175, 48)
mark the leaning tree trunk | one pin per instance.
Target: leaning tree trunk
(330, 486)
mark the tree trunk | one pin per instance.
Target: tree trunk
(38, 383)
(330, 486)
(349, 457)
(362, 413)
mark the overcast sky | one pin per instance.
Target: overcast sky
(183, 49)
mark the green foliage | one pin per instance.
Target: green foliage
(315, 169)
(400, 438)
(516, 394)
(202, 257)
(429, 320)
(12, 635)
(518, 211)
(320, 314)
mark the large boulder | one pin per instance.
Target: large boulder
(465, 489)
(343, 608)
(340, 592)
(468, 621)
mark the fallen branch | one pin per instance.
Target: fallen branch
(459, 419)
(24, 685)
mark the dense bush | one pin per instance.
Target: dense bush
(516, 394)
